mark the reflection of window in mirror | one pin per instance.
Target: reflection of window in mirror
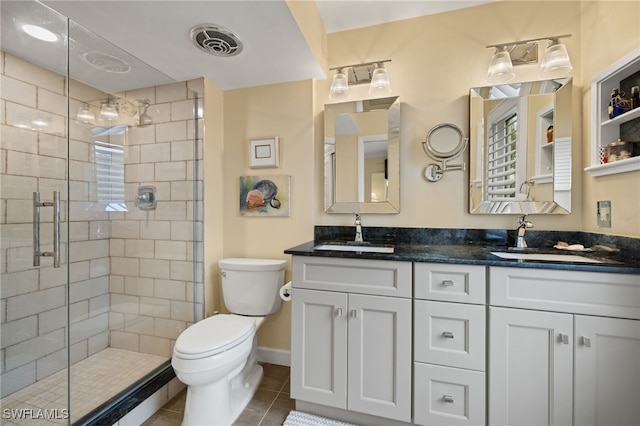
(541, 173)
(503, 165)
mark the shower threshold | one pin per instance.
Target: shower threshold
(94, 381)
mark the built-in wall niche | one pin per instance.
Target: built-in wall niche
(622, 75)
(544, 145)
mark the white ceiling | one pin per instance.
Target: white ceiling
(157, 32)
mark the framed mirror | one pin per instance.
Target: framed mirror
(520, 148)
(361, 156)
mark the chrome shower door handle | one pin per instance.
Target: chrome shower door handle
(56, 229)
(36, 229)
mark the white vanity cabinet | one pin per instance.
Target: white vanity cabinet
(351, 335)
(564, 347)
(449, 344)
(607, 371)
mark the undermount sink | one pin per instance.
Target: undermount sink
(368, 248)
(545, 257)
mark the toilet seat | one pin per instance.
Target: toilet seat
(213, 335)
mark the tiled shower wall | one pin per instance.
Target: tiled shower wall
(131, 273)
(34, 299)
(153, 251)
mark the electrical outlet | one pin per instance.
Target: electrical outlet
(604, 214)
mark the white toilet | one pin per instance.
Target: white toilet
(217, 357)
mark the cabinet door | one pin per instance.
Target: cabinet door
(380, 356)
(530, 367)
(319, 347)
(607, 371)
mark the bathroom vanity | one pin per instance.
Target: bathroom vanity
(453, 335)
(351, 334)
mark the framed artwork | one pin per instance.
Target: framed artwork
(265, 196)
(264, 153)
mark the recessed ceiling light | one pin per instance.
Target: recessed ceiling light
(39, 33)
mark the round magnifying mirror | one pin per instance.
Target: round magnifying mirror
(444, 142)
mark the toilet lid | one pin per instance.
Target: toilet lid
(214, 335)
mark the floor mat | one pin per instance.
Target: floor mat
(299, 418)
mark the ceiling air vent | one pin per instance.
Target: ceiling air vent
(106, 62)
(216, 40)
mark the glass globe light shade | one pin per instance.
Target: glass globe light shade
(85, 115)
(555, 60)
(108, 111)
(380, 85)
(500, 68)
(339, 86)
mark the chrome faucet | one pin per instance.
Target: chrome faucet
(523, 225)
(359, 237)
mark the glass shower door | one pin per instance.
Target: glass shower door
(86, 130)
(34, 169)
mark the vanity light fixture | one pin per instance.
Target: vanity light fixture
(112, 109)
(373, 73)
(555, 60)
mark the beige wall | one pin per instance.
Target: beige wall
(435, 60)
(601, 45)
(213, 188)
(283, 110)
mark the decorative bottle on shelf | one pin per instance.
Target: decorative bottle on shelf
(549, 134)
(635, 97)
(612, 103)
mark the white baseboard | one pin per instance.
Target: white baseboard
(274, 356)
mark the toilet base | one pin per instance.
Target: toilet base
(221, 403)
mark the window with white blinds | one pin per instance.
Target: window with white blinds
(501, 158)
(108, 146)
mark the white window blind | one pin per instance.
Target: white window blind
(109, 167)
(501, 159)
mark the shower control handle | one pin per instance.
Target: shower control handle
(55, 254)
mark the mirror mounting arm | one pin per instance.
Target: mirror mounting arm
(434, 172)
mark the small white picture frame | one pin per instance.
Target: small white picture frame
(264, 153)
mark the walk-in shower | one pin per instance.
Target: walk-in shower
(94, 289)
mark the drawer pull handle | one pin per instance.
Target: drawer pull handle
(447, 283)
(339, 312)
(564, 338)
(586, 341)
(448, 398)
(354, 313)
(447, 334)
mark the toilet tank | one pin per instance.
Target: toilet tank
(251, 286)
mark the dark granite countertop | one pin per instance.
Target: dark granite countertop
(456, 247)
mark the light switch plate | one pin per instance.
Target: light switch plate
(604, 214)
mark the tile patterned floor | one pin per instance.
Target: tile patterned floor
(269, 406)
(93, 381)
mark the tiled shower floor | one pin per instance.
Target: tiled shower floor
(93, 381)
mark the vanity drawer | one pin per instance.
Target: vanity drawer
(451, 334)
(364, 276)
(577, 292)
(450, 283)
(448, 396)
